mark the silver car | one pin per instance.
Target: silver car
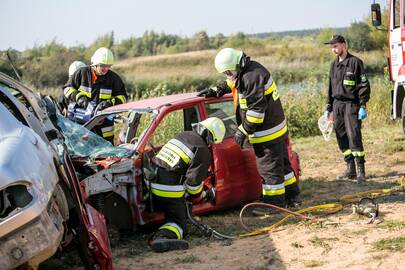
(42, 207)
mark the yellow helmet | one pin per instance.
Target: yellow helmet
(227, 59)
(216, 127)
(75, 66)
(102, 56)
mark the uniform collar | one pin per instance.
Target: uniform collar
(345, 61)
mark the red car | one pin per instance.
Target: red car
(114, 176)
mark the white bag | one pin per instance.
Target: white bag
(325, 126)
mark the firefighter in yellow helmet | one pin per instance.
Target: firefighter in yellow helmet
(261, 121)
(97, 83)
(182, 165)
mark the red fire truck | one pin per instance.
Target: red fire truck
(396, 53)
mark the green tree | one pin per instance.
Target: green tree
(199, 41)
(358, 36)
(325, 35)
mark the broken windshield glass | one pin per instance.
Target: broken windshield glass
(83, 143)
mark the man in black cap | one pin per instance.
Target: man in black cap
(348, 93)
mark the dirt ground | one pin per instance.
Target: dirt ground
(348, 243)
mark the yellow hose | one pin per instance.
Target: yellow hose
(331, 208)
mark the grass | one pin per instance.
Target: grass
(392, 225)
(188, 259)
(313, 263)
(391, 244)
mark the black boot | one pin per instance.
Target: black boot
(350, 172)
(162, 244)
(361, 172)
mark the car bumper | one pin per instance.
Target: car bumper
(33, 242)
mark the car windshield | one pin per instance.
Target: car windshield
(83, 143)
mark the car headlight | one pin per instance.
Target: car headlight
(14, 198)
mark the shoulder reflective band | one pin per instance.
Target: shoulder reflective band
(107, 131)
(171, 226)
(349, 82)
(193, 190)
(166, 191)
(269, 134)
(273, 190)
(254, 117)
(172, 151)
(84, 90)
(270, 87)
(167, 155)
(105, 93)
(289, 179)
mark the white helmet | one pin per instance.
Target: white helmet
(227, 59)
(102, 56)
(75, 66)
(216, 127)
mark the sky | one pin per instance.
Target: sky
(28, 23)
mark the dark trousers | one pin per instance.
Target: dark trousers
(174, 208)
(348, 130)
(274, 167)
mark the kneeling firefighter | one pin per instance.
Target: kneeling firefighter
(182, 165)
(97, 84)
(261, 120)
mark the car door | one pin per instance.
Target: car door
(236, 177)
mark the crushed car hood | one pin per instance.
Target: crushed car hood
(16, 158)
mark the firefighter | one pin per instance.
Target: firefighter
(99, 84)
(348, 93)
(182, 165)
(261, 120)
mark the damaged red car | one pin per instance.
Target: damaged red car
(114, 176)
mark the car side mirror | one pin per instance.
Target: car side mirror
(376, 14)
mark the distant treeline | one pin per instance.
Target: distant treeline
(45, 66)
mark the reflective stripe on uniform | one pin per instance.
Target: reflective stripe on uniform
(166, 191)
(120, 98)
(243, 130)
(289, 179)
(182, 150)
(358, 153)
(171, 226)
(105, 93)
(349, 82)
(67, 91)
(84, 90)
(270, 87)
(242, 101)
(269, 134)
(107, 131)
(254, 117)
(193, 190)
(273, 190)
(347, 152)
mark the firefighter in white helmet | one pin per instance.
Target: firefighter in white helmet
(261, 121)
(76, 65)
(99, 84)
(182, 165)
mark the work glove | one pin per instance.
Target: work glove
(83, 102)
(216, 91)
(207, 92)
(239, 137)
(362, 113)
(104, 104)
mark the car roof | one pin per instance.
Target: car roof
(157, 102)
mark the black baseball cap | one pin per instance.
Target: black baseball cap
(336, 39)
